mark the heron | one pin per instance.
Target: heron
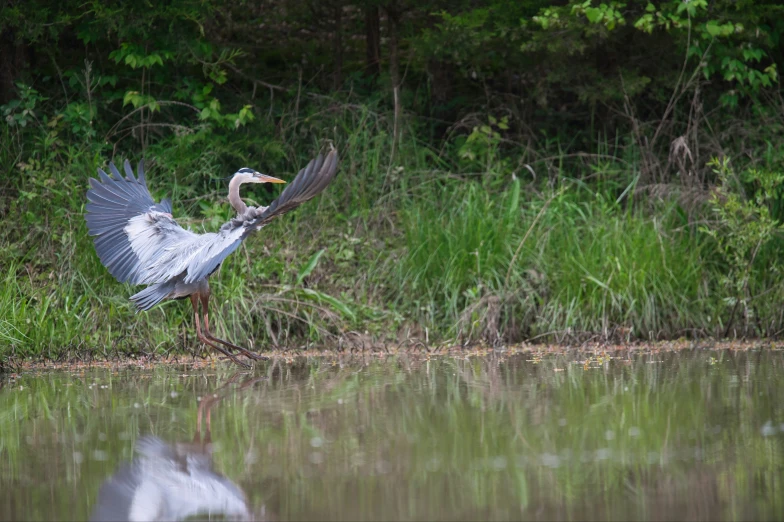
(174, 481)
(169, 482)
(140, 242)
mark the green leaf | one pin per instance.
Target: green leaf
(713, 28)
(594, 14)
(311, 264)
(514, 199)
(131, 97)
(335, 303)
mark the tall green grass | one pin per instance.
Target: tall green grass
(588, 265)
(459, 237)
(605, 267)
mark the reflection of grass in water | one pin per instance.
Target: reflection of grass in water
(448, 438)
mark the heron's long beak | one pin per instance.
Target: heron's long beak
(263, 178)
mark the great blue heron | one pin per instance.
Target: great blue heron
(169, 482)
(174, 481)
(139, 241)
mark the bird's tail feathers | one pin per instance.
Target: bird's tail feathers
(152, 295)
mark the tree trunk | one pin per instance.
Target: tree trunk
(440, 82)
(393, 21)
(12, 59)
(337, 46)
(372, 42)
(440, 75)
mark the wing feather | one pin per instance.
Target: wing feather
(214, 253)
(114, 201)
(162, 247)
(308, 183)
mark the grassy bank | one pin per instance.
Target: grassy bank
(412, 245)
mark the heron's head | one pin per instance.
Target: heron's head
(246, 175)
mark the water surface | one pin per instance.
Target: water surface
(667, 436)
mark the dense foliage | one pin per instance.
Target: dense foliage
(511, 170)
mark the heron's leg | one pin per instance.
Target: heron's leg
(204, 339)
(205, 299)
(199, 414)
(208, 435)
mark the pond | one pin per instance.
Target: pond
(688, 435)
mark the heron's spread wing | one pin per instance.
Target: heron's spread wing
(116, 202)
(161, 484)
(309, 182)
(211, 253)
(140, 242)
(116, 495)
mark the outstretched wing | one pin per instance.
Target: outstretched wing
(212, 252)
(129, 229)
(115, 498)
(309, 182)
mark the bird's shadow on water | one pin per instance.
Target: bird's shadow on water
(177, 480)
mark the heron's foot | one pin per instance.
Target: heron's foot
(255, 356)
(238, 362)
(209, 342)
(247, 353)
(244, 351)
(252, 355)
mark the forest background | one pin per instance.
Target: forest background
(511, 171)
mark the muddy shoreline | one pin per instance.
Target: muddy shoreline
(418, 351)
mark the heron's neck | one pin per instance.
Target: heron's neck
(234, 195)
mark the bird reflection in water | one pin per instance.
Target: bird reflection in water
(174, 481)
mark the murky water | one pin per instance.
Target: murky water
(689, 436)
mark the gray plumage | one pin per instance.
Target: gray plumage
(139, 241)
(114, 201)
(168, 482)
